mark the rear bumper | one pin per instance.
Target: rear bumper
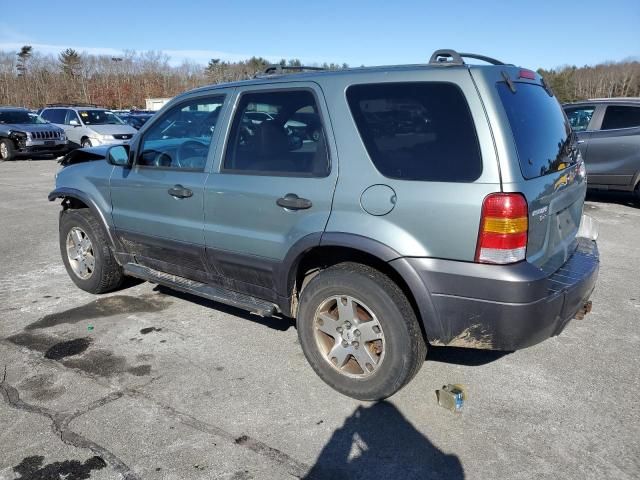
(506, 307)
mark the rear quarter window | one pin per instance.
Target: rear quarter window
(417, 131)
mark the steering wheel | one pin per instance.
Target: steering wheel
(189, 150)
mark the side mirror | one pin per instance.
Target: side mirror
(118, 155)
(75, 123)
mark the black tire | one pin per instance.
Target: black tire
(7, 147)
(86, 143)
(106, 275)
(636, 193)
(404, 345)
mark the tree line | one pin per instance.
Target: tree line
(32, 79)
(613, 79)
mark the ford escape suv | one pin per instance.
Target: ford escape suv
(438, 204)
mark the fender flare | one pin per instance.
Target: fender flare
(65, 192)
(428, 314)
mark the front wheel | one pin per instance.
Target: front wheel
(359, 332)
(86, 254)
(6, 150)
(86, 143)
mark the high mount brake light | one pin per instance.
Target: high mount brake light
(528, 74)
(504, 224)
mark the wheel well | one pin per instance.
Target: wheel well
(72, 203)
(320, 258)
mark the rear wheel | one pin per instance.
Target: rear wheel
(359, 332)
(86, 253)
(6, 150)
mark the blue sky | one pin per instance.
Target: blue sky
(532, 34)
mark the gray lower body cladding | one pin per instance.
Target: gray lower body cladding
(505, 307)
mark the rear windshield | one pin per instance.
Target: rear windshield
(540, 129)
(417, 131)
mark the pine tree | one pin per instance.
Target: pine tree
(70, 62)
(23, 57)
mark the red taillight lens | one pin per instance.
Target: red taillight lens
(503, 229)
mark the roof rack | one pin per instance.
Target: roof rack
(451, 57)
(279, 69)
(72, 104)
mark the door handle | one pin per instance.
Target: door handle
(291, 201)
(178, 191)
(580, 141)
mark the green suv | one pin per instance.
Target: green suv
(385, 209)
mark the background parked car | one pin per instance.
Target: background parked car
(88, 126)
(23, 134)
(608, 133)
(135, 119)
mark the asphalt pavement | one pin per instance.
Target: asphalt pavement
(148, 383)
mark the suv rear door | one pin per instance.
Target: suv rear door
(158, 202)
(272, 189)
(542, 163)
(613, 155)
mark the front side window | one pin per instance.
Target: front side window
(417, 131)
(579, 117)
(277, 133)
(182, 136)
(72, 118)
(620, 116)
(99, 117)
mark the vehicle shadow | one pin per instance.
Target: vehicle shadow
(276, 322)
(470, 357)
(621, 198)
(377, 441)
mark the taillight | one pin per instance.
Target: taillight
(503, 229)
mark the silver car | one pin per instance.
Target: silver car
(88, 126)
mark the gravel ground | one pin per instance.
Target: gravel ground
(151, 384)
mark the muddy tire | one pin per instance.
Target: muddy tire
(359, 332)
(6, 150)
(86, 143)
(86, 254)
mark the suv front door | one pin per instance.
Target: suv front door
(271, 192)
(158, 202)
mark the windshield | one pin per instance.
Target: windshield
(540, 129)
(21, 117)
(99, 117)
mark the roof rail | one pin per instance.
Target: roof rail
(72, 104)
(279, 69)
(451, 57)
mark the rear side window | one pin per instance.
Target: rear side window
(540, 129)
(620, 116)
(54, 115)
(277, 133)
(417, 131)
(580, 117)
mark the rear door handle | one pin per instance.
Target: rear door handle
(291, 201)
(580, 141)
(178, 191)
